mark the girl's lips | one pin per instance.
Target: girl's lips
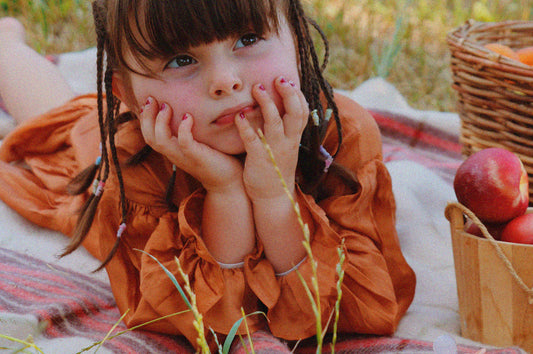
(229, 118)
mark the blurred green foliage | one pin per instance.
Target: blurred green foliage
(401, 40)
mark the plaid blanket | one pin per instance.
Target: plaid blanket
(408, 139)
(69, 304)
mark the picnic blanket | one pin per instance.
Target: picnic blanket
(62, 307)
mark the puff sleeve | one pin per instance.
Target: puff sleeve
(143, 289)
(220, 292)
(378, 284)
(139, 284)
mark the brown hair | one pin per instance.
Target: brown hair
(160, 28)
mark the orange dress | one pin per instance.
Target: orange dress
(41, 156)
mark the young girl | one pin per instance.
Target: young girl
(177, 168)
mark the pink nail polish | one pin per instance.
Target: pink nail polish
(282, 80)
(163, 107)
(148, 101)
(261, 87)
(241, 114)
(292, 83)
(185, 116)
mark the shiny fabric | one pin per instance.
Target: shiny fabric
(41, 156)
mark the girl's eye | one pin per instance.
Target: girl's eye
(247, 40)
(181, 61)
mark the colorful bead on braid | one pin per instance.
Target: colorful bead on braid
(329, 159)
(99, 188)
(95, 185)
(121, 229)
(314, 116)
(329, 112)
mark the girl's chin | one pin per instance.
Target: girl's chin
(234, 150)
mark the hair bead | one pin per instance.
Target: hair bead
(314, 116)
(329, 112)
(99, 188)
(121, 229)
(328, 158)
(95, 185)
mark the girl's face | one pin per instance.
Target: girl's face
(213, 82)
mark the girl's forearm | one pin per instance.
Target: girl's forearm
(227, 226)
(280, 232)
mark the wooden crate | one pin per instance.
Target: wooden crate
(494, 285)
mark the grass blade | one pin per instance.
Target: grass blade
(26, 343)
(233, 331)
(172, 278)
(111, 330)
(132, 329)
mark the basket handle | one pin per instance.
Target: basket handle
(457, 223)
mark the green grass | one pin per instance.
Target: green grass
(402, 40)
(363, 33)
(53, 26)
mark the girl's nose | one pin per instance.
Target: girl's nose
(224, 82)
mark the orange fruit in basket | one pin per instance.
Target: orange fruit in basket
(525, 55)
(502, 49)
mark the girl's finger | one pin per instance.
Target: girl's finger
(147, 119)
(162, 131)
(273, 123)
(247, 133)
(185, 138)
(305, 114)
(296, 111)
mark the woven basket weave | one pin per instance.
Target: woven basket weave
(495, 93)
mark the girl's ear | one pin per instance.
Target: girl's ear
(122, 90)
(119, 89)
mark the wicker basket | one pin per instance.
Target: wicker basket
(495, 93)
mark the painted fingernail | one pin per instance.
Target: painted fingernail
(241, 114)
(292, 83)
(149, 100)
(185, 116)
(261, 87)
(282, 80)
(141, 110)
(163, 107)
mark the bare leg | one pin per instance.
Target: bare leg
(29, 83)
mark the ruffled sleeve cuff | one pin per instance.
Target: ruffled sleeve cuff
(219, 291)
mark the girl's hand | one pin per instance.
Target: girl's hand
(282, 133)
(216, 171)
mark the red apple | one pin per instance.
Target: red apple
(495, 230)
(493, 184)
(519, 230)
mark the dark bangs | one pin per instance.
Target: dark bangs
(163, 28)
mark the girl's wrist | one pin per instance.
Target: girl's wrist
(274, 199)
(236, 187)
